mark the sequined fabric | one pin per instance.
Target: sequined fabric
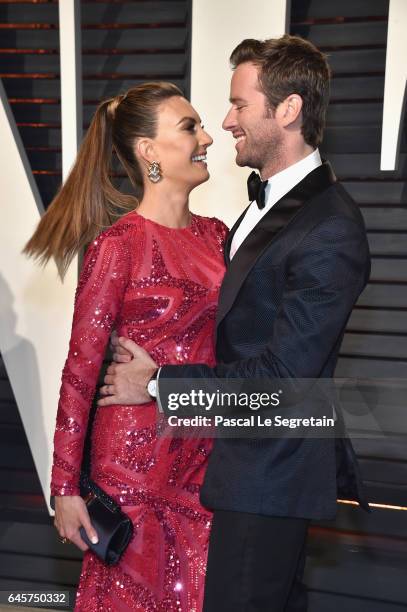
(158, 286)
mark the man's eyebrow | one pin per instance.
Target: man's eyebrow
(235, 100)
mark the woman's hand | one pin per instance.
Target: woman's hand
(71, 513)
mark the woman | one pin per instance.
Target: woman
(153, 276)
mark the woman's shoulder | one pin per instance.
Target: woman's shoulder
(212, 223)
(212, 229)
(121, 229)
(118, 237)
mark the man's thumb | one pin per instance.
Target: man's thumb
(130, 346)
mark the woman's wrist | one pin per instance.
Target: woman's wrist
(64, 490)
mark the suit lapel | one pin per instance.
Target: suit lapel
(230, 236)
(269, 226)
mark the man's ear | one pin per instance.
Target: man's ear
(145, 150)
(289, 110)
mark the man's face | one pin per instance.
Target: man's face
(257, 133)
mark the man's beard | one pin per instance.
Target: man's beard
(266, 152)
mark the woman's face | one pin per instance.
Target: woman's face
(181, 143)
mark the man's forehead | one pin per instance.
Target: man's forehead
(242, 89)
(245, 75)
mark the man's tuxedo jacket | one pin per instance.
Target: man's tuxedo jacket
(284, 304)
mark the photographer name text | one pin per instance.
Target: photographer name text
(254, 420)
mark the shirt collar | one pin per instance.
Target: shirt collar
(282, 182)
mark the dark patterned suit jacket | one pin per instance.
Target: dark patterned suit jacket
(284, 304)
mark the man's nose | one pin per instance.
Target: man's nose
(230, 120)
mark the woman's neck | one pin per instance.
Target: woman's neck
(165, 206)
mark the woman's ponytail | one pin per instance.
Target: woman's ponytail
(88, 202)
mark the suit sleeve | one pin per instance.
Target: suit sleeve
(326, 273)
(98, 300)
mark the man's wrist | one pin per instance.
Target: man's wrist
(152, 385)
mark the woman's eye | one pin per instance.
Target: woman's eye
(191, 127)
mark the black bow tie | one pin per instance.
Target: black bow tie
(257, 189)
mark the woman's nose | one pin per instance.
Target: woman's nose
(207, 139)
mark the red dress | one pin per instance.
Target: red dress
(158, 286)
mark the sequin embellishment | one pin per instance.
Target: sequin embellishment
(159, 287)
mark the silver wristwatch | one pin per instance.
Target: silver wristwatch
(152, 386)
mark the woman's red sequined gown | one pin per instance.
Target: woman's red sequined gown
(158, 286)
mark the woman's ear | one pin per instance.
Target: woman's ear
(145, 150)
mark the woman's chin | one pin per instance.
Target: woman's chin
(205, 177)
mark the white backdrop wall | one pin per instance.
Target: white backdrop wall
(395, 84)
(217, 27)
(35, 306)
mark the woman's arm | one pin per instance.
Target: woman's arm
(98, 300)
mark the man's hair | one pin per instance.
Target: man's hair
(289, 65)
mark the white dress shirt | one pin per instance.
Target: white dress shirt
(277, 187)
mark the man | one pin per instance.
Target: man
(297, 260)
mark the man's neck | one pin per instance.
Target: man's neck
(285, 160)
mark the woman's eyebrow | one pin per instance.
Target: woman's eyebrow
(189, 119)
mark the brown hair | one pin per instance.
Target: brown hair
(88, 201)
(290, 65)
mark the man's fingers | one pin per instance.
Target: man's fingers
(107, 390)
(122, 358)
(130, 346)
(137, 352)
(108, 401)
(111, 369)
(121, 351)
(109, 379)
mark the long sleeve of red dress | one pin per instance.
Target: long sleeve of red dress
(98, 300)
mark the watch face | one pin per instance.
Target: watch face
(152, 388)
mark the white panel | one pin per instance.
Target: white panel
(217, 27)
(35, 307)
(395, 84)
(71, 81)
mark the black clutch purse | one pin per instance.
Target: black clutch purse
(113, 526)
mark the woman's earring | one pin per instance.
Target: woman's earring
(154, 172)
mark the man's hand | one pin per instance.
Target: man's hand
(126, 383)
(119, 353)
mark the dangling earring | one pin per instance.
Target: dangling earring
(154, 172)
